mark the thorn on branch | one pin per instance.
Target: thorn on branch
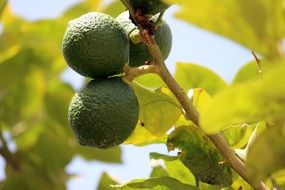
(260, 69)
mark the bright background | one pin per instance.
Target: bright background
(190, 44)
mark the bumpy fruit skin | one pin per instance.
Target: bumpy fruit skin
(103, 113)
(149, 6)
(139, 52)
(95, 45)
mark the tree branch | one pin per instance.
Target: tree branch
(133, 72)
(191, 112)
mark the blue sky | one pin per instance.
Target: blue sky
(190, 44)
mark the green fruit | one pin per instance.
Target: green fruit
(199, 155)
(95, 45)
(104, 113)
(139, 52)
(149, 6)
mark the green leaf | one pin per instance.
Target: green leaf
(239, 183)
(114, 9)
(30, 177)
(175, 168)
(2, 6)
(260, 30)
(44, 162)
(157, 156)
(248, 102)
(141, 136)
(247, 72)
(270, 144)
(280, 178)
(9, 53)
(81, 8)
(26, 134)
(158, 171)
(200, 99)
(157, 183)
(190, 75)
(30, 180)
(113, 155)
(237, 136)
(150, 80)
(105, 182)
(200, 156)
(258, 128)
(250, 71)
(45, 49)
(22, 94)
(58, 93)
(159, 109)
(46, 156)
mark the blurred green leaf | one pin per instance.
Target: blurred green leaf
(175, 168)
(237, 135)
(249, 71)
(270, 144)
(279, 176)
(158, 171)
(157, 183)
(9, 53)
(159, 109)
(52, 151)
(196, 76)
(113, 155)
(150, 80)
(114, 8)
(26, 134)
(239, 183)
(248, 102)
(105, 182)
(58, 93)
(2, 6)
(260, 30)
(35, 37)
(82, 8)
(21, 96)
(200, 156)
(258, 128)
(30, 179)
(200, 98)
(157, 156)
(44, 162)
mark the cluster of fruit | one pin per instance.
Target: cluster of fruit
(105, 111)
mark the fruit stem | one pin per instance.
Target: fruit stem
(191, 112)
(133, 72)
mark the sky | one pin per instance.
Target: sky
(190, 44)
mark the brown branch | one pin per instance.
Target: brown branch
(191, 112)
(133, 72)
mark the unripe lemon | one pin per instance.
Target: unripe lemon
(95, 45)
(139, 52)
(104, 113)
